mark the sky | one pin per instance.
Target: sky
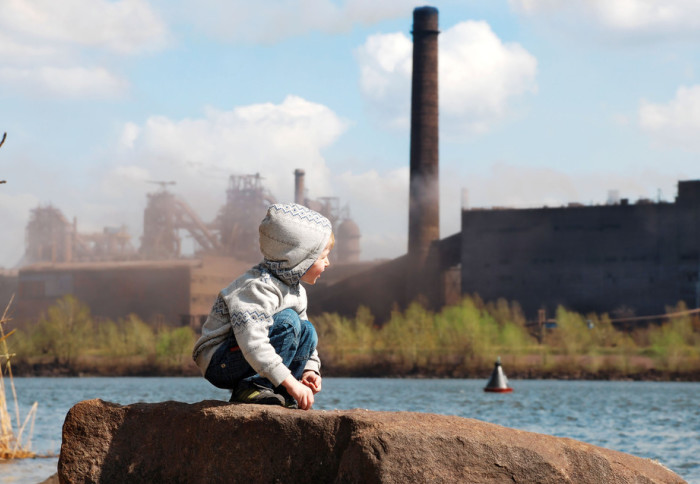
(542, 103)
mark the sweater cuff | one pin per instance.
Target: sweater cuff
(278, 374)
(312, 365)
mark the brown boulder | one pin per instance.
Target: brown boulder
(213, 441)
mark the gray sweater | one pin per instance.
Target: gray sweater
(292, 237)
(247, 305)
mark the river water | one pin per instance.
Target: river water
(657, 420)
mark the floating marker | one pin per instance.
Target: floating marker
(498, 382)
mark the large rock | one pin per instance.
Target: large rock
(212, 441)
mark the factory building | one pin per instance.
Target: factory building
(617, 258)
(173, 292)
(621, 258)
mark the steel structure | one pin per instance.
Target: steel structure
(237, 222)
(347, 233)
(50, 237)
(165, 215)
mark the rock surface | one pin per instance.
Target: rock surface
(213, 441)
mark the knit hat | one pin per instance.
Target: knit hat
(292, 237)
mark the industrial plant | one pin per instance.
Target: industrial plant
(154, 280)
(633, 257)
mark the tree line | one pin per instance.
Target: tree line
(462, 340)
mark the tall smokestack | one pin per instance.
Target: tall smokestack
(424, 193)
(299, 186)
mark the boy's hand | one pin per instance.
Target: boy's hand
(303, 395)
(312, 380)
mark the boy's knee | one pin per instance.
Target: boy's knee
(308, 330)
(289, 317)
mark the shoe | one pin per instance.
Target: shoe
(258, 395)
(289, 401)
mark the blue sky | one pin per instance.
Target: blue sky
(543, 102)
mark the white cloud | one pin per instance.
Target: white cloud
(479, 77)
(124, 26)
(200, 154)
(274, 20)
(675, 123)
(130, 132)
(645, 18)
(71, 82)
(385, 62)
(43, 44)
(19, 52)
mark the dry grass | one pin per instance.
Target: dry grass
(13, 445)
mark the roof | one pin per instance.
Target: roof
(100, 266)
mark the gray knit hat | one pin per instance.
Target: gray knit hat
(292, 237)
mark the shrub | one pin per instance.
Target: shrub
(173, 345)
(572, 335)
(65, 332)
(127, 337)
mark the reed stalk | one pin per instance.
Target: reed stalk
(12, 445)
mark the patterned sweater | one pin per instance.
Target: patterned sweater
(247, 305)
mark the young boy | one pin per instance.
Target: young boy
(256, 340)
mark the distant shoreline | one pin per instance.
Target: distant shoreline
(24, 369)
(460, 341)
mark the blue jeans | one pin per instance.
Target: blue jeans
(293, 338)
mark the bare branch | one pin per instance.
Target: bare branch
(4, 135)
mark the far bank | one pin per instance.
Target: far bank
(459, 341)
(582, 368)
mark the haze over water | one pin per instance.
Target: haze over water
(657, 420)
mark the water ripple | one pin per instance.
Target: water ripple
(657, 420)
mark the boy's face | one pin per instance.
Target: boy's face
(314, 272)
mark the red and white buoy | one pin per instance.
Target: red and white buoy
(498, 382)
